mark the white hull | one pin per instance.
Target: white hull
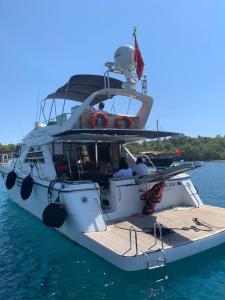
(140, 262)
(38, 201)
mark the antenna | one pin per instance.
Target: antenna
(124, 64)
(37, 107)
(126, 60)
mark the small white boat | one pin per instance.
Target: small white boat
(62, 172)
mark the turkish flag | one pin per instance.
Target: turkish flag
(138, 59)
(178, 152)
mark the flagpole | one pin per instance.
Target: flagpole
(135, 40)
(134, 31)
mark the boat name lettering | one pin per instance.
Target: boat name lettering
(170, 184)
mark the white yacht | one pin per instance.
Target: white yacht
(63, 173)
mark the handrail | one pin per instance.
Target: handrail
(106, 77)
(55, 118)
(132, 229)
(99, 206)
(5, 157)
(192, 194)
(156, 224)
(101, 212)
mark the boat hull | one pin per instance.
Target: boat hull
(38, 201)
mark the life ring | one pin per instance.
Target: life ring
(120, 119)
(99, 115)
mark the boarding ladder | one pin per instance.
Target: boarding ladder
(161, 261)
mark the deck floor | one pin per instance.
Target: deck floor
(116, 237)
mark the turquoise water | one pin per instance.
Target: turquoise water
(38, 263)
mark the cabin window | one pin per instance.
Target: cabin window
(90, 161)
(35, 155)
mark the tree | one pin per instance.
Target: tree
(197, 148)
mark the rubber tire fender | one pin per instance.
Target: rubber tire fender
(11, 180)
(26, 187)
(54, 215)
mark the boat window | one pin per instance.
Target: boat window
(64, 151)
(120, 105)
(54, 112)
(78, 161)
(35, 155)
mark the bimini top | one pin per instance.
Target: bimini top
(114, 134)
(79, 87)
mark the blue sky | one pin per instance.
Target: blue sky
(44, 42)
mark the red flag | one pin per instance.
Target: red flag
(138, 59)
(178, 152)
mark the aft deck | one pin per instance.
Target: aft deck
(117, 236)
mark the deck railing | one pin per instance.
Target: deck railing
(5, 157)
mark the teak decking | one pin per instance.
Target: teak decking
(116, 237)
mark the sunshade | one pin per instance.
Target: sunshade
(79, 87)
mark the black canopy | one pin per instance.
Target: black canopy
(79, 87)
(123, 133)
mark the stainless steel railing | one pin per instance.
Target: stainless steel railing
(5, 157)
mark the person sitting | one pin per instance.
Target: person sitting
(100, 107)
(105, 168)
(140, 169)
(124, 169)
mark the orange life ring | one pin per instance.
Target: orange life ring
(119, 119)
(99, 115)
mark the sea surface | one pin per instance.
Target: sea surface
(38, 263)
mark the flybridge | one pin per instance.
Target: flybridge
(90, 90)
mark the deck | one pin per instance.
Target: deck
(116, 237)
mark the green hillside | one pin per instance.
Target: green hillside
(199, 148)
(6, 148)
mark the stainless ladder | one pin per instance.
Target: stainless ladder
(161, 262)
